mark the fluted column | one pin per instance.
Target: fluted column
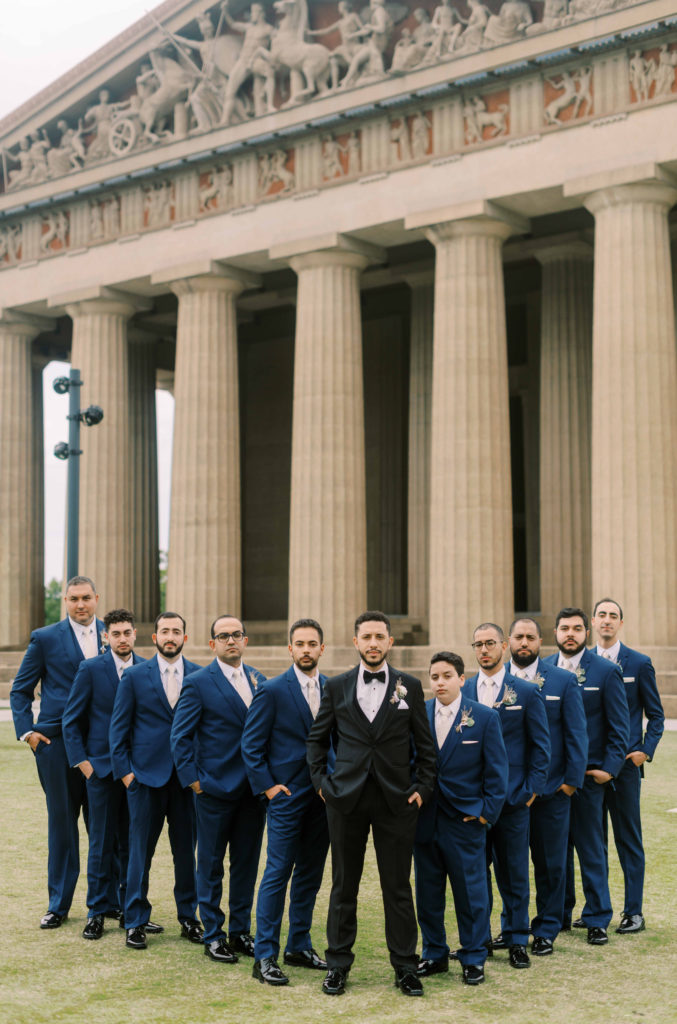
(144, 478)
(17, 486)
(327, 542)
(38, 516)
(471, 543)
(99, 350)
(634, 411)
(204, 564)
(565, 397)
(420, 405)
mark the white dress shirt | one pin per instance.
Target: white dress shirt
(612, 653)
(86, 637)
(310, 688)
(488, 687)
(530, 672)
(370, 695)
(121, 665)
(572, 663)
(164, 667)
(237, 678)
(444, 717)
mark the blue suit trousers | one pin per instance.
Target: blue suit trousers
(508, 848)
(108, 857)
(586, 836)
(549, 837)
(622, 804)
(66, 794)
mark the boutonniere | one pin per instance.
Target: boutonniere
(580, 675)
(539, 680)
(400, 692)
(466, 720)
(104, 645)
(509, 697)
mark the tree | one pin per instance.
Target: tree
(52, 601)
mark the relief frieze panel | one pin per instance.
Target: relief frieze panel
(239, 61)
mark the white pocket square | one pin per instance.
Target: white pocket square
(402, 706)
(469, 741)
(550, 697)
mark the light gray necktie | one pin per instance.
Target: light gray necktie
(242, 686)
(521, 673)
(442, 724)
(88, 643)
(313, 692)
(568, 665)
(488, 695)
(172, 686)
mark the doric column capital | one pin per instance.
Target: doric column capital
(476, 217)
(330, 249)
(206, 275)
(99, 300)
(548, 250)
(642, 183)
(26, 325)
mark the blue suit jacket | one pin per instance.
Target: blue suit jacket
(472, 768)
(606, 711)
(526, 737)
(568, 731)
(207, 732)
(86, 719)
(275, 734)
(639, 683)
(52, 659)
(141, 724)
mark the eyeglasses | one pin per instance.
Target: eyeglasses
(479, 644)
(225, 637)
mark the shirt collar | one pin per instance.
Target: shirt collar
(530, 672)
(305, 679)
(455, 705)
(611, 652)
(81, 630)
(492, 680)
(120, 664)
(163, 665)
(575, 660)
(229, 669)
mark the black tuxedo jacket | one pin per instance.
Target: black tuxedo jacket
(396, 748)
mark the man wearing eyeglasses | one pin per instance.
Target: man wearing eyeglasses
(527, 742)
(206, 739)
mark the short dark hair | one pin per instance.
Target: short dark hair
(572, 613)
(306, 624)
(524, 618)
(603, 600)
(226, 615)
(118, 615)
(78, 581)
(455, 660)
(169, 615)
(372, 617)
(489, 625)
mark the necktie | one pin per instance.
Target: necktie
(605, 654)
(488, 695)
(242, 686)
(567, 664)
(370, 677)
(313, 691)
(172, 686)
(521, 673)
(88, 643)
(442, 724)
(120, 671)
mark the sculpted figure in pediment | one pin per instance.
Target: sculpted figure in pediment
(218, 55)
(446, 25)
(414, 48)
(349, 26)
(472, 37)
(555, 13)
(307, 63)
(511, 22)
(367, 61)
(254, 62)
(69, 155)
(99, 119)
(24, 158)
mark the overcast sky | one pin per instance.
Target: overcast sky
(39, 41)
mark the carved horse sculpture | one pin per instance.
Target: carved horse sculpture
(308, 63)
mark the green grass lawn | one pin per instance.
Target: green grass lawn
(58, 976)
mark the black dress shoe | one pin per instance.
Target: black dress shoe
(268, 971)
(597, 936)
(153, 929)
(408, 981)
(52, 920)
(192, 931)
(94, 927)
(334, 983)
(473, 974)
(219, 950)
(541, 946)
(149, 926)
(499, 942)
(631, 923)
(453, 955)
(579, 923)
(427, 967)
(519, 956)
(243, 943)
(136, 938)
(305, 958)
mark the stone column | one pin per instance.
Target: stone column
(99, 350)
(634, 412)
(566, 386)
(420, 396)
(144, 478)
(327, 544)
(18, 486)
(204, 564)
(471, 543)
(38, 542)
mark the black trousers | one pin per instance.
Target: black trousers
(393, 841)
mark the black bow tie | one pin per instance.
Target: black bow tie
(369, 677)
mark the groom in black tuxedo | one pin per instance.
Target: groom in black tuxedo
(373, 712)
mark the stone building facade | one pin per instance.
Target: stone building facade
(408, 273)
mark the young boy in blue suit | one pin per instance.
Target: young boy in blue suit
(472, 783)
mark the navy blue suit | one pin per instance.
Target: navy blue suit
(549, 813)
(206, 737)
(274, 752)
(139, 742)
(52, 659)
(472, 779)
(622, 802)
(606, 712)
(527, 741)
(86, 723)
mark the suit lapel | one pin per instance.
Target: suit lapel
(623, 658)
(156, 682)
(300, 701)
(350, 696)
(381, 717)
(227, 690)
(450, 743)
(111, 671)
(72, 649)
